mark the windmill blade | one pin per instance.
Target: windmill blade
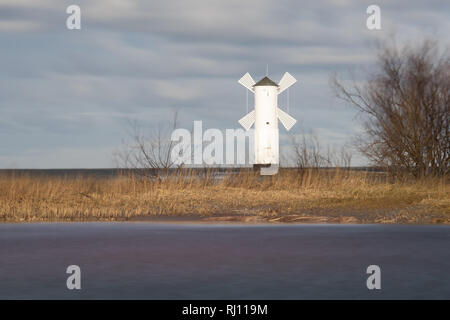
(248, 120)
(247, 81)
(286, 81)
(287, 121)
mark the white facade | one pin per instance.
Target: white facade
(266, 125)
(265, 116)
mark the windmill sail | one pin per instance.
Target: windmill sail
(248, 120)
(287, 121)
(286, 81)
(247, 81)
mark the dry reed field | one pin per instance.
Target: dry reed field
(308, 196)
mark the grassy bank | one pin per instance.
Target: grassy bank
(337, 196)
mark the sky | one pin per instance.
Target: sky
(67, 96)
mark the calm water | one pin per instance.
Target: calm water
(175, 261)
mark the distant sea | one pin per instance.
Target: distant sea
(114, 172)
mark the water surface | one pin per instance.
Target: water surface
(188, 261)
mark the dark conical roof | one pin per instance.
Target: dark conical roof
(265, 82)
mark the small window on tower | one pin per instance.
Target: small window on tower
(267, 122)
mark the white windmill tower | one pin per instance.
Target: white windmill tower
(266, 115)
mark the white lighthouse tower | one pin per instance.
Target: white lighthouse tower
(266, 115)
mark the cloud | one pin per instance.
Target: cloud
(74, 90)
(60, 158)
(18, 26)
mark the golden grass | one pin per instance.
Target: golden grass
(310, 196)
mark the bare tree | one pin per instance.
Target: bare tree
(150, 153)
(405, 108)
(345, 159)
(308, 153)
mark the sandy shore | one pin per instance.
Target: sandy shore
(318, 218)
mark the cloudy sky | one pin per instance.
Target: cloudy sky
(66, 95)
